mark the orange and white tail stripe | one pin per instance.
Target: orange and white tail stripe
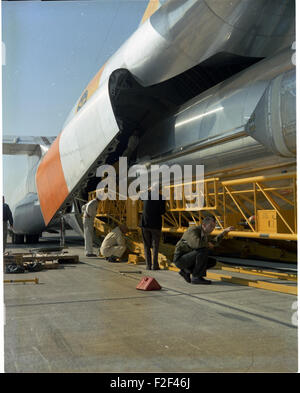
(50, 181)
(153, 6)
(91, 127)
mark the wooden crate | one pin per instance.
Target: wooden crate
(269, 221)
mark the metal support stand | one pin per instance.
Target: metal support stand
(62, 231)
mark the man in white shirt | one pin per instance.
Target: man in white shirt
(89, 213)
(114, 243)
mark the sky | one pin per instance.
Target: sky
(50, 52)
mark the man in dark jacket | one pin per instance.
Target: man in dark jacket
(7, 216)
(193, 249)
(151, 229)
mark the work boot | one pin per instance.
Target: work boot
(91, 255)
(148, 267)
(200, 280)
(112, 259)
(185, 275)
(156, 268)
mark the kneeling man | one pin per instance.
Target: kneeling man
(114, 243)
(192, 252)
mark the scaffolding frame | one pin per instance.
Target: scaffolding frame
(258, 207)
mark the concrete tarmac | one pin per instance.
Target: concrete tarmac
(89, 317)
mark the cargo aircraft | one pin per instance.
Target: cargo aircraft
(208, 82)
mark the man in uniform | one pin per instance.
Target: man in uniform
(89, 213)
(193, 249)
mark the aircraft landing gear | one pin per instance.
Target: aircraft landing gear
(21, 239)
(31, 239)
(17, 239)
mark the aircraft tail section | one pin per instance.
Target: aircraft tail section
(75, 151)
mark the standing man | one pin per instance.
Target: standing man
(7, 216)
(151, 229)
(193, 249)
(89, 213)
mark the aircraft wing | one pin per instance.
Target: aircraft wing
(26, 145)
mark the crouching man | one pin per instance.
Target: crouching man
(192, 252)
(114, 243)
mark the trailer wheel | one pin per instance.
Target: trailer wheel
(17, 239)
(32, 239)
